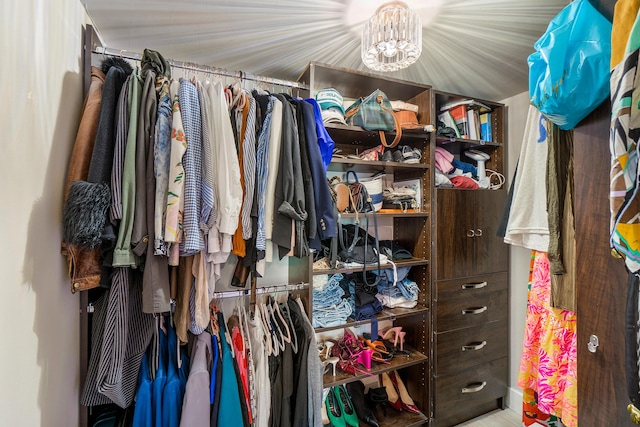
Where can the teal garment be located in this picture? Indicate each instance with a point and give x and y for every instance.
(160, 380)
(143, 414)
(174, 388)
(123, 255)
(230, 413)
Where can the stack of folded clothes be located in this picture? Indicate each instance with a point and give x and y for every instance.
(329, 306)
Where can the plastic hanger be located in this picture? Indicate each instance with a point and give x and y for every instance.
(294, 337)
(283, 322)
(267, 338)
(276, 332)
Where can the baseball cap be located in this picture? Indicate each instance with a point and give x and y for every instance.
(329, 98)
(333, 115)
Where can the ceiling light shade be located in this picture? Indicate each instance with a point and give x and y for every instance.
(392, 38)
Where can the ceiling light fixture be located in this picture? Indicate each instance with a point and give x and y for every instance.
(392, 38)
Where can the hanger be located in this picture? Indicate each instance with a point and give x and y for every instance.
(276, 310)
(277, 334)
(294, 337)
(269, 331)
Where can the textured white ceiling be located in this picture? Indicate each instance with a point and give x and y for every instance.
(472, 47)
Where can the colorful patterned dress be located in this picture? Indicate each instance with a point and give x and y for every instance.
(548, 367)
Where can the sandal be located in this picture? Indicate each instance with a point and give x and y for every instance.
(396, 334)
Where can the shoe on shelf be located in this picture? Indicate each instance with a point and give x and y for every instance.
(405, 400)
(323, 409)
(397, 155)
(393, 399)
(410, 155)
(349, 414)
(356, 391)
(334, 410)
(387, 156)
(394, 334)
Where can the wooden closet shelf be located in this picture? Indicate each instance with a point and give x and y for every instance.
(385, 314)
(399, 419)
(400, 214)
(398, 362)
(403, 263)
(443, 140)
(356, 133)
(340, 164)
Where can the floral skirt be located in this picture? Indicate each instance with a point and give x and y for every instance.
(548, 366)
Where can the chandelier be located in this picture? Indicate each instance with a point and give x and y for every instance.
(392, 38)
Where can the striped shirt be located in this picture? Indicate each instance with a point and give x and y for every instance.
(122, 127)
(262, 170)
(249, 167)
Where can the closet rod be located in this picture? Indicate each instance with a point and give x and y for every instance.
(262, 290)
(203, 68)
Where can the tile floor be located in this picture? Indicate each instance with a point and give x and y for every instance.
(497, 418)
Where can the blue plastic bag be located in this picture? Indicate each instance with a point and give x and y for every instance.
(569, 72)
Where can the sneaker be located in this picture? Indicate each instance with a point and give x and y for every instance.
(411, 155)
(387, 156)
(397, 156)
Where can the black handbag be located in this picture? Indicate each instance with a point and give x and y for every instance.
(357, 246)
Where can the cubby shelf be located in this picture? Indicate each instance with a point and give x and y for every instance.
(398, 362)
(403, 263)
(385, 314)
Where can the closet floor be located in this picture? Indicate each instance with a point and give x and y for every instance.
(497, 418)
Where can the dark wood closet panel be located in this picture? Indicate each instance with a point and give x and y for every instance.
(601, 281)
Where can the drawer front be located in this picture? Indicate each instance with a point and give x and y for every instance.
(461, 349)
(474, 387)
(471, 286)
(474, 311)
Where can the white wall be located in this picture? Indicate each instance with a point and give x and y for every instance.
(41, 91)
(517, 108)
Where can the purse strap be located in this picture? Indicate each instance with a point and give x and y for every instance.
(377, 249)
(396, 124)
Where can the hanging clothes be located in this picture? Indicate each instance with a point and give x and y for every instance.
(527, 225)
(230, 412)
(173, 392)
(549, 351)
(196, 406)
(143, 413)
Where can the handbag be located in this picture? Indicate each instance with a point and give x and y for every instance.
(340, 194)
(374, 112)
(358, 246)
(360, 197)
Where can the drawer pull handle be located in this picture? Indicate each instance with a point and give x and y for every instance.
(475, 310)
(479, 232)
(471, 233)
(474, 346)
(474, 285)
(474, 388)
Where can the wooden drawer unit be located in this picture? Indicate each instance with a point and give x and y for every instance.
(463, 348)
(471, 392)
(470, 286)
(472, 311)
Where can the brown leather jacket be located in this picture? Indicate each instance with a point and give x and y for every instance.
(84, 265)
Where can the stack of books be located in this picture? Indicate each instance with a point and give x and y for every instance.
(469, 118)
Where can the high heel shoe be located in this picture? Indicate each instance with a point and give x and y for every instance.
(323, 410)
(365, 358)
(405, 400)
(356, 391)
(392, 394)
(349, 416)
(334, 410)
(333, 361)
(397, 334)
